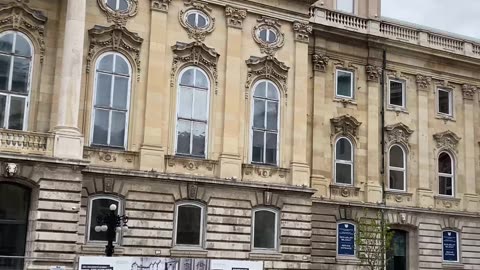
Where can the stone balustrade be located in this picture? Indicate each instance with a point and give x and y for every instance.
(26, 142)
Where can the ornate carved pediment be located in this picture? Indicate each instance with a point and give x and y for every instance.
(114, 38)
(398, 133)
(160, 5)
(345, 125)
(195, 53)
(198, 34)
(447, 140)
(18, 16)
(266, 67)
(320, 62)
(468, 91)
(271, 24)
(119, 17)
(235, 16)
(302, 31)
(373, 73)
(423, 82)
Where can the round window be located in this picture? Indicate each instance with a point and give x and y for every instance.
(268, 35)
(117, 5)
(197, 19)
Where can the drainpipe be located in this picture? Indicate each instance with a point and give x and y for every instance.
(382, 142)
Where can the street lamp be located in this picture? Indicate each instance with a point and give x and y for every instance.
(111, 224)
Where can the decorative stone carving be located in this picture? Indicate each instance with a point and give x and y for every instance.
(398, 197)
(345, 125)
(198, 34)
(195, 53)
(267, 67)
(273, 25)
(108, 184)
(320, 62)
(398, 133)
(235, 16)
(107, 157)
(423, 82)
(191, 164)
(447, 140)
(468, 91)
(192, 191)
(114, 38)
(267, 198)
(344, 191)
(447, 202)
(160, 5)
(373, 73)
(302, 31)
(10, 169)
(18, 16)
(119, 17)
(265, 171)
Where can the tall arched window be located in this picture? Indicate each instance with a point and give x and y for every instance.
(265, 123)
(446, 178)
(343, 161)
(265, 229)
(100, 206)
(16, 55)
(189, 220)
(111, 101)
(192, 112)
(398, 253)
(397, 168)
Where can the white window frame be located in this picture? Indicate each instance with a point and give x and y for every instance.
(117, 5)
(450, 102)
(398, 169)
(353, 7)
(90, 218)
(354, 242)
(29, 84)
(352, 82)
(351, 162)
(458, 246)
(452, 175)
(277, 235)
(197, 13)
(177, 117)
(404, 98)
(252, 116)
(202, 223)
(94, 99)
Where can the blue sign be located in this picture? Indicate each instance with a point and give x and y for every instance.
(346, 239)
(450, 246)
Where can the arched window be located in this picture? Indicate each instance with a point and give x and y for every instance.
(111, 101)
(100, 206)
(16, 55)
(189, 220)
(14, 207)
(192, 112)
(265, 229)
(397, 168)
(265, 123)
(446, 180)
(343, 161)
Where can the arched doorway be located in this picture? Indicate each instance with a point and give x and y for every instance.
(398, 253)
(14, 207)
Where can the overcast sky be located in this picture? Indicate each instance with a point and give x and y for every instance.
(457, 16)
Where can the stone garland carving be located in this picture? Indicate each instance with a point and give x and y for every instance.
(266, 67)
(468, 91)
(345, 125)
(347, 191)
(373, 73)
(119, 17)
(397, 75)
(160, 5)
(117, 39)
(398, 133)
(191, 164)
(302, 31)
(198, 34)
(423, 82)
(195, 53)
(273, 25)
(447, 140)
(265, 171)
(108, 156)
(320, 62)
(399, 197)
(18, 16)
(235, 16)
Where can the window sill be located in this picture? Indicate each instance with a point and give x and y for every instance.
(447, 265)
(348, 259)
(397, 109)
(345, 101)
(445, 117)
(267, 255)
(188, 252)
(99, 248)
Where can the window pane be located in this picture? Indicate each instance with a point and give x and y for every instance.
(99, 207)
(272, 91)
(121, 66)
(104, 88)
(264, 229)
(260, 90)
(187, 78)
(398, 253)
(185, 102)
(201, 80)
(198, 147)
(117, 136)
(14, 202)
(21, 70)
(123, 5)
(343, 150)
(396, 93)
(344, 84)
(201, 21)
(258, 145)
(4, 71)
(271, 152)
(272, 115)
(343, 173)
(3, 104)
(446, 185)
(120, 93)
(183, 137)
(263, 35)
(443, 102)
(22, 47)
(106, 64)
(396, 157)
(259, 113)
(272, 37)
(17, 113)
(112, 4)
(6, 43)
(191, 19)
(200, 106)
(345, 5)
(189, 220)
(396, 180)
(100, 128)
(444, 163)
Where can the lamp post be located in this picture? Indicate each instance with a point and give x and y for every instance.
(111, 224)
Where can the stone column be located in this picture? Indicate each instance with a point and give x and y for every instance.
(424, 192)
(470, 197)
(152, 151)
(300, 171)
(68, 139)
(230, 162)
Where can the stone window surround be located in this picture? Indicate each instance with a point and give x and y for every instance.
(203, 226)
(91, 198)
(277, 230)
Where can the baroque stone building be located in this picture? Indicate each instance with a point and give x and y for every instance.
(249, 130)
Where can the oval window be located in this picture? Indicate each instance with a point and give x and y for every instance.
(197, 19)
(268, 35)
(117, 5)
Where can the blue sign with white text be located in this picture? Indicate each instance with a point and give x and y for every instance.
(450, 246)
(346, 239)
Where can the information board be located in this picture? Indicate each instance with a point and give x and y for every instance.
(450, 246)
(346, 239)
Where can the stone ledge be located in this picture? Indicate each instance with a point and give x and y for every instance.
(345, 101)
(98, 248)
(348, 259)
(188, 252)
(452, 266)
(265, 255)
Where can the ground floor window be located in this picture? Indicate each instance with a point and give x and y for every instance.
(397, 255)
